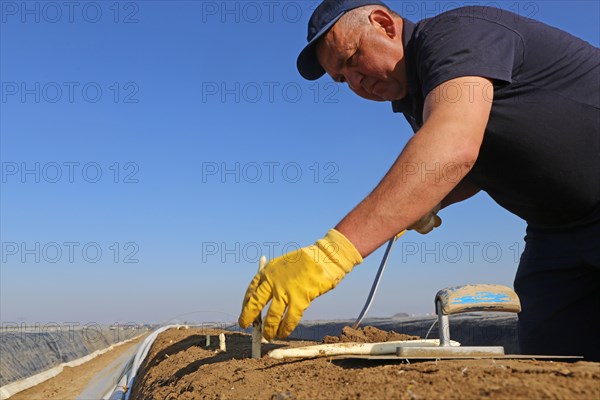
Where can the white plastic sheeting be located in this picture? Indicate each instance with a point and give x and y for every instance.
(15, 387)
(138, 359)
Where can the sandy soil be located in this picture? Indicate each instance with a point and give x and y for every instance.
(368, 334)
(180, 366)
(72, 381)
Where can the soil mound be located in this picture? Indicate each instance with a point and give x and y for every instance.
(180, 366)
(368, 334)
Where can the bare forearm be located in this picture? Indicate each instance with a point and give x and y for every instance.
(433, 162)
(412, 187)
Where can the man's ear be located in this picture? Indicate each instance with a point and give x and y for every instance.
(383, 20)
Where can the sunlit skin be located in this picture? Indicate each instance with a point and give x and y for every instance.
(370, 58)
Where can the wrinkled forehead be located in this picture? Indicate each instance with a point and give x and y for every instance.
(334, 46)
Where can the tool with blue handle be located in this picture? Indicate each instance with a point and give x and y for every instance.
(462, 299)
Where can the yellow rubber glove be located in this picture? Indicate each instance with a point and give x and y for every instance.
(295, 279)
(428, 222)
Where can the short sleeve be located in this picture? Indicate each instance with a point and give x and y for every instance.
(465, 45)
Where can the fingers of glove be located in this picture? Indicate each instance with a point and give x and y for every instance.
(433, 222)
(423, 223)
(252, 287)
(256, 302)
(273, 319)
(291, 320)
(425, 227)
(417, 226)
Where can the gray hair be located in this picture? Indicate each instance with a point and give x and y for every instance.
(360, 16)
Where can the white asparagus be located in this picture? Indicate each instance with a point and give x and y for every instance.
(222, 345)
(257, 337)
(337, 349)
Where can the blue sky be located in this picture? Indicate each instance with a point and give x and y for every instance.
(152, 149)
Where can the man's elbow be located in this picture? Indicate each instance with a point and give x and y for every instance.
(463, 158)
(468, 154)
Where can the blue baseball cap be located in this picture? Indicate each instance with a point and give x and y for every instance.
(322, 19)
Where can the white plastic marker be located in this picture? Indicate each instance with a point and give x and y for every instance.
(367, 349)
(222, 345)
(257, 337)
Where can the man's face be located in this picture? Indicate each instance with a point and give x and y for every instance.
(369, 57)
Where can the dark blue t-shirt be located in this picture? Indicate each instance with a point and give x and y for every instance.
(540, 156)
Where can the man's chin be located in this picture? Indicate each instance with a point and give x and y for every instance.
(382, 99)
(393, 93)
(374, 97)
(385, 97)
(378, 97)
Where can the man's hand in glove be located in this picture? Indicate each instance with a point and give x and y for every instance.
(428, 222)
(293, 280)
